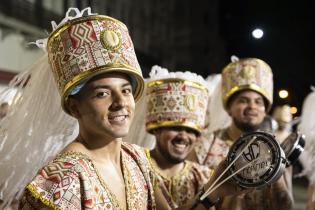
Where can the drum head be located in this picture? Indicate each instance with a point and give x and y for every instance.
(263, 159)
(293, 146)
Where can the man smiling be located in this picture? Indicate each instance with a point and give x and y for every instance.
(176, 109)
(99, 79)
(247, 95)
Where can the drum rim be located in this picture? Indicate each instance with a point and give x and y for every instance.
(277, 170)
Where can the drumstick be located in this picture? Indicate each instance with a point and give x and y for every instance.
(229, 166)
(222, 182)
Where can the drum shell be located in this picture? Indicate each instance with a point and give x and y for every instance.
(266, 144)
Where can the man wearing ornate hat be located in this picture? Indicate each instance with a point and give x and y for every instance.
(92, 60)
(247, 93)
(99, 78)
(176, 105)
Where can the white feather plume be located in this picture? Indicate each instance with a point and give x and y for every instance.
(307, 127)
(217, 117)
(137, 132)
(35, 128)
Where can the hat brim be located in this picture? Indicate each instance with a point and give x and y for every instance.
(87, 75)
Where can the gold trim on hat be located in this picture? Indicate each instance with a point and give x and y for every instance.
(253, 87)
(172, 80)
(151, 126)
(116, 68)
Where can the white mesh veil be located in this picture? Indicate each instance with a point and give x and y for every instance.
(137, 132)
(307, 127)
(35, 128)
(217, 117)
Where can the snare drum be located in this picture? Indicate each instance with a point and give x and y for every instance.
(263, 160)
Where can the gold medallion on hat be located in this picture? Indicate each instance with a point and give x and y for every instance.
(190, 102)
(111, 39)
(248, 72)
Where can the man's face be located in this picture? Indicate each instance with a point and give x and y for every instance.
(175, 143)
(247, 110)
(105, 106)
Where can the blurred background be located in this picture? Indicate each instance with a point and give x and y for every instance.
(199, 36)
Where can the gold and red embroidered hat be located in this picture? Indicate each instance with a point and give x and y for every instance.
(84, 47)
(247, 74)
(175, 99)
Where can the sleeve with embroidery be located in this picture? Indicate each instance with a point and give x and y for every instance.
(56, 186)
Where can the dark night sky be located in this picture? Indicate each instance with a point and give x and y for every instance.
(208, 32)
(287, 45)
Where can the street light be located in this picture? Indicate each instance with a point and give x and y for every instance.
(257, 33)
(293, 110)
(283, 93)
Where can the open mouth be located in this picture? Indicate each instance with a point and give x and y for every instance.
(118, 118)
(250, 114)
(180, 144)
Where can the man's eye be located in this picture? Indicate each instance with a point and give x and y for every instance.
(242, 100)
(260, 102)
(127, 91)
(101, 94)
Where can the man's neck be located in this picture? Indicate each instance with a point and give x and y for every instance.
(164, 165)
(234, 132)
(101, 149)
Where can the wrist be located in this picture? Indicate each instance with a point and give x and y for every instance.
(207, 202)
(213, 198)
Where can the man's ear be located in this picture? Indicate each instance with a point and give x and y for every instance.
(72, 107)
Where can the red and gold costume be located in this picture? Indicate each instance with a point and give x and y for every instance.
(71, 181)
(79, 49)
(182, 187)
(177, 99)
(244, 74)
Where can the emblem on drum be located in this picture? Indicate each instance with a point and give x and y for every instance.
(252, 152)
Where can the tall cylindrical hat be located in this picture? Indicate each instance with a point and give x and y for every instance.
(84, 47)
(247, 74)
(175, 99)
